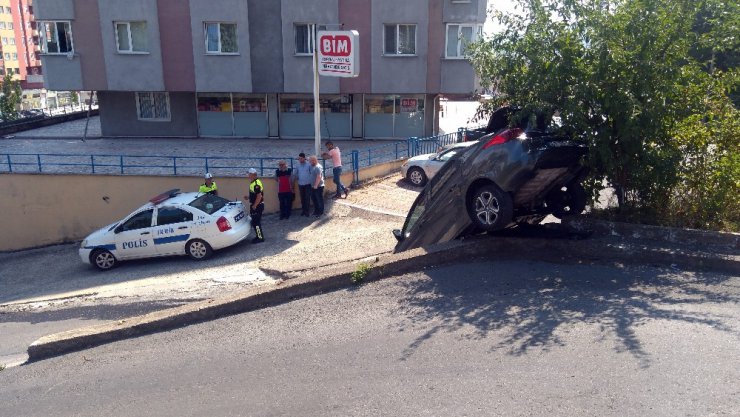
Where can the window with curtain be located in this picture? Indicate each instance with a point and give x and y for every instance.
(131, 37)
(221, 38)
(303, 44)
(459, 36)
(399, 40)
(56, 37)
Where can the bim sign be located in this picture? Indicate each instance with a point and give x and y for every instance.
(339, 53)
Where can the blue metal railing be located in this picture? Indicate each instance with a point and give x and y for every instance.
(220, 166)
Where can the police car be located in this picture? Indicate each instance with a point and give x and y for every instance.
(172, 223)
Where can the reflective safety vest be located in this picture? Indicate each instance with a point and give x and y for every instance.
(255, 187)
(206, 189)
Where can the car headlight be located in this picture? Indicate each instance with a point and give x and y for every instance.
(84, 243)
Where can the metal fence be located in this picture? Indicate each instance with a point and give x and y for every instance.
(220, 166)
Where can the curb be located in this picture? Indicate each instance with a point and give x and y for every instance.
(331, 278)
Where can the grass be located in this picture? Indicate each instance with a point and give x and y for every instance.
(359, 274)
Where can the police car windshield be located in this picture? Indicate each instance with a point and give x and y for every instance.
(209, 203)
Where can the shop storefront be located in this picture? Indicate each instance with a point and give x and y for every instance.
(237, 114)
(394, 116)
(297, 117)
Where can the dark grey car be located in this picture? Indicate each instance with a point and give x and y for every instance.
(509, 177)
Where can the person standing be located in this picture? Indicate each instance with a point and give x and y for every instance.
(317, 185)
(303, 176)
(256, 204)
(335, 154)
(209, 187)
(283, 176)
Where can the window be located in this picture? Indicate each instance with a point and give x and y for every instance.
(5, 41)
(56, 38)
(10, 24)
(209, 203)
(172, 215)
(153, 106)
(2, 25)
(400, 40)
(2, 71)
(131, 37)
(17, 70)
(459, 36)
(15, 56)
(7, 56)
(303, 41)
(221, 38)
(8, 10)
(12, 41)
(138, 221)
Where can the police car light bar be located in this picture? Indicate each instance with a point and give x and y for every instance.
(164, 196)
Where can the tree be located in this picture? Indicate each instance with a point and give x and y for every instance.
(10, 98)
(621, 75)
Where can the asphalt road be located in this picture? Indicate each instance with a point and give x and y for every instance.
(504, 338)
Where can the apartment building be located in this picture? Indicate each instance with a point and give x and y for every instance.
(243, 68)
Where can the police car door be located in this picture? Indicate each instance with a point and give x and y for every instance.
(134, 237)
(172, 230)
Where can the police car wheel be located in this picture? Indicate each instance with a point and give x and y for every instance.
(198, 249)
(102, 259)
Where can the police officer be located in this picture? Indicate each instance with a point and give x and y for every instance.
(209, 187)
(256, 204)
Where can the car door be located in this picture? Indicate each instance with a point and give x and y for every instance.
(173, 228)
(135, 236)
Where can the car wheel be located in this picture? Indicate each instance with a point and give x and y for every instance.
(198, 249)
(567, 200)
(103, 259)
(417, 176)
(490, 208)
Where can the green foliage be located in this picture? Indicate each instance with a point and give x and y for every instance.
(637, 81)
(10, 98)
(359, 275)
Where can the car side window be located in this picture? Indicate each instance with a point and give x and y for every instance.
(139, 221)
(172, 215)
(447, 155)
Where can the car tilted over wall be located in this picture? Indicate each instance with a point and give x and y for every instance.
(517, 175)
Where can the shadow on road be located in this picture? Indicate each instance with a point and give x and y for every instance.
(529, 306)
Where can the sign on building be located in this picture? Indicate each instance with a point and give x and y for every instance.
(339, 53)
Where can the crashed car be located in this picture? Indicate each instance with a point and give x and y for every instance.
(517, 175)
(172, 223)
(418, 169)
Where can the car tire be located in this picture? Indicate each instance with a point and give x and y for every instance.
(567, 200)
(490, 208)
(416, 176)
(103, 259)
(198, 249)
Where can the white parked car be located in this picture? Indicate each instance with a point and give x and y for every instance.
(419, 169)
(172, 223)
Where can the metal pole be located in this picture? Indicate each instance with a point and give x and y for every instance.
(316, 104)
(87, 122)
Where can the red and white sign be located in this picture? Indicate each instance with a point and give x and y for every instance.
(409, 105)
(339, 53)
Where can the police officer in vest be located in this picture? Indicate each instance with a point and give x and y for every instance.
(256, 204)
(209, 187)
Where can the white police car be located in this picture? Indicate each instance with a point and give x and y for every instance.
(172, 223)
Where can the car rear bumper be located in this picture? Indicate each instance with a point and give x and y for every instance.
(233, 235)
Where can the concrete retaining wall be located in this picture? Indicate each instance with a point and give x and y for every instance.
(41, 209)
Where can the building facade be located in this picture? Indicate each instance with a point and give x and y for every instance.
(243, 68)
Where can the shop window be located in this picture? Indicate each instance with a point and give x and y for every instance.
(56, 38)
(153, 106)
(400, 40)
(215, 115)
(394, 116)
(459, 36)
(296, 105)
(221, 38)
(250, 115)
(131, 37)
